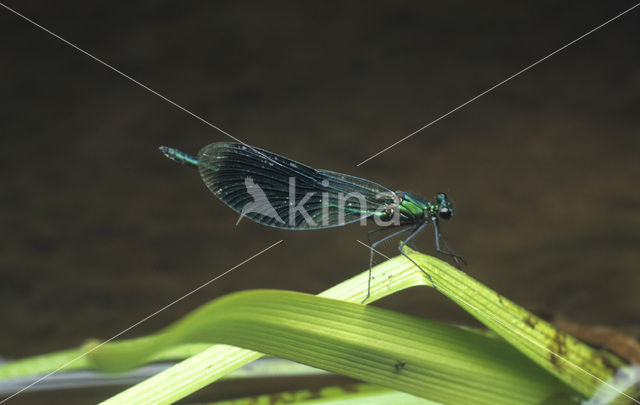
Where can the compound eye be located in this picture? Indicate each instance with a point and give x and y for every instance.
(444, 213)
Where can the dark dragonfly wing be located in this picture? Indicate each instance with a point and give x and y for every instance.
(276, 191)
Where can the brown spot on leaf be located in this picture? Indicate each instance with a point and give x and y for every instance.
(530, 321)
(399, 366)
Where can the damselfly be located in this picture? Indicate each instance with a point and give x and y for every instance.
(276, 191)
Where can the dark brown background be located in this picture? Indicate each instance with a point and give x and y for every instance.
(98, 230)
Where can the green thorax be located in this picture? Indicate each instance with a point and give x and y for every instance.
(413, 208)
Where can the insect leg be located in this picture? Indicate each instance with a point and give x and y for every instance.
(414, 234)
(373, 246)
(456, 258)
(380, 230)
(383, 239)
